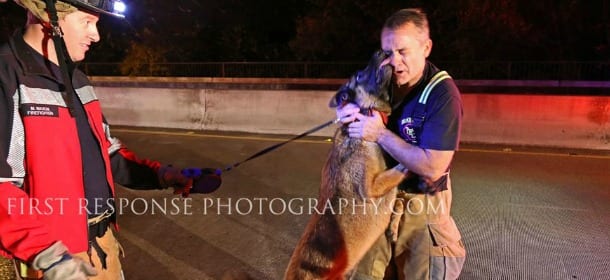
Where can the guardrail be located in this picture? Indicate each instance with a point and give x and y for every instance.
(507, 70)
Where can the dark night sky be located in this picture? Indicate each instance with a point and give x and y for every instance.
(345, 30)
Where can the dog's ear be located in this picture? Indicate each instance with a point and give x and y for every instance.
(379, 56)
(340, 97)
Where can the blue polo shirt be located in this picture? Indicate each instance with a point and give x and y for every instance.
(441, 126)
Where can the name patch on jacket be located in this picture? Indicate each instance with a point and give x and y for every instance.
(39, 110)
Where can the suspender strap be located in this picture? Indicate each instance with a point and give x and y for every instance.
(419, 113)
(437, 78)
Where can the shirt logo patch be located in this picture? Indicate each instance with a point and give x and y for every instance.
(39, 110)
(407, 130)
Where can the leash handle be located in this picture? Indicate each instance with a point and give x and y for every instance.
(273, 147)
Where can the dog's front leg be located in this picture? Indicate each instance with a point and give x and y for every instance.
(387, 180)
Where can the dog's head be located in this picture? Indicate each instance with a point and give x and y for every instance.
(368, 88)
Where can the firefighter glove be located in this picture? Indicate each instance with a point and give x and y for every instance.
(56, 263)
(205, 180)
(171, 177)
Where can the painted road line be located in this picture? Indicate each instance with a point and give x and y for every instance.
(329, 140)
(233, 137)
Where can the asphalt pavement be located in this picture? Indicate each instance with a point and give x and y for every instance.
(524, 213)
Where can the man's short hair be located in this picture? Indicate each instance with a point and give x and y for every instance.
(414, 15)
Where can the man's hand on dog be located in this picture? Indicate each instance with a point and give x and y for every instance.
(346, 113)
(368, 128)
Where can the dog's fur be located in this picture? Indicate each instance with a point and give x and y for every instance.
(355, 183)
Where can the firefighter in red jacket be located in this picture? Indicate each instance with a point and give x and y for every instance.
(58, 161)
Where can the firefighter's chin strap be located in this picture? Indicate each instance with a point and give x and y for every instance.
(67, 93)
(63, 59)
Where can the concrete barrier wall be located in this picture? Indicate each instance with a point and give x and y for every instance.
(537, 120)
(256, 111)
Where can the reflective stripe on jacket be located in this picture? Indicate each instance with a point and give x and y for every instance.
(41, 178)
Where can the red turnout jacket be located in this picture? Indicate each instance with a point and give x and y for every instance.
(41, 176)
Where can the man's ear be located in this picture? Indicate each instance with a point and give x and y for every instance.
(428, 47)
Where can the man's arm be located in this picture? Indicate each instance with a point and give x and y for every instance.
(428, 163)
(129, 170)
(139, 173)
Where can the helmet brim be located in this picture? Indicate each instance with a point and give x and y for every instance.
(89, 7)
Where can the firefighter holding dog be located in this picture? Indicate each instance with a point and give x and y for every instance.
(422, 134)
(58, 161)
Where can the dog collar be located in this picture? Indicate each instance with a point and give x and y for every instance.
(369, 112)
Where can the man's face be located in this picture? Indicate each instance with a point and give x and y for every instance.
(80, 30)
(407, 49)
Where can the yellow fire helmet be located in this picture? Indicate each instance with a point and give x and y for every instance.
(114, 8)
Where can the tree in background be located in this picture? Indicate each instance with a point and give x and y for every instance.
(207, 30)
(145, 59)
(341, 30)
(462, 30)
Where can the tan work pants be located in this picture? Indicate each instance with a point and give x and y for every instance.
(428, 246)
(113, 249)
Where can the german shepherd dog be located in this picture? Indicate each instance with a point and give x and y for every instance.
(356, 193)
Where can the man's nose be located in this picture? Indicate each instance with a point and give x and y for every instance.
(94, 35)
